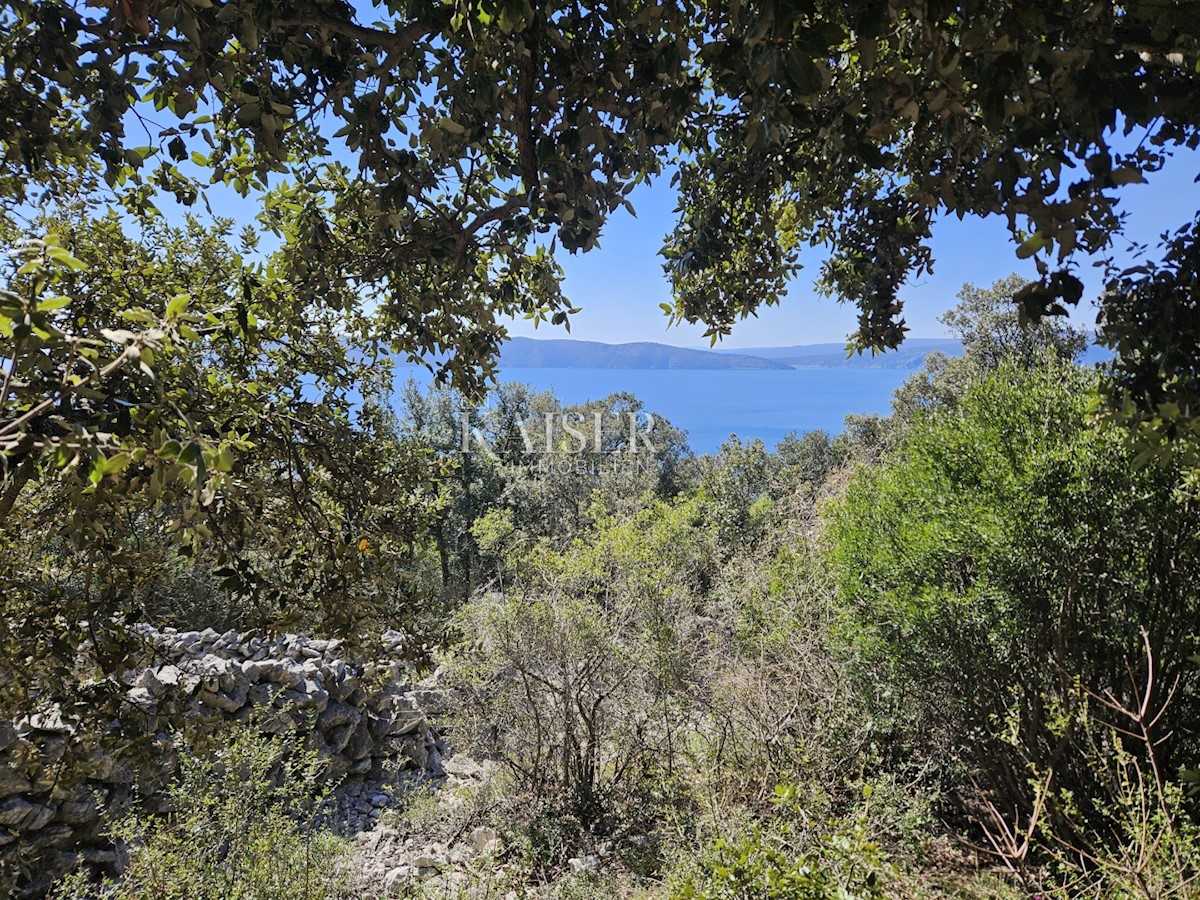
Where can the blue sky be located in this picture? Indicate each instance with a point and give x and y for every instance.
(621, 284)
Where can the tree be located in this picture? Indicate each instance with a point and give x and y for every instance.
(421, 158)
(858, 124)
(734, 488)
(1001, 563)
(988, 323)
(184, 439)
(1151, 318)
(544, 465)
(436, 155)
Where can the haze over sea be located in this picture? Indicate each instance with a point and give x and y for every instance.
(711, 404)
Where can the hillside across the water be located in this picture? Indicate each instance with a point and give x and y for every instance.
(568, 354)
(909, 355)
(536, 353)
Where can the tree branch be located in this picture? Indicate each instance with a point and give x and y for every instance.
(398, 41)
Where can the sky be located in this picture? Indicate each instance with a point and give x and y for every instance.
(621, 284)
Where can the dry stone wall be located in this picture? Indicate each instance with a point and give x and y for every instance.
(361, 716)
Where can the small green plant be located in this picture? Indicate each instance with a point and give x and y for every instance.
(242, 828)
(795, 857)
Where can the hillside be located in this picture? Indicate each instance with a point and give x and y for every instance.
(910, 355)
(568, 354)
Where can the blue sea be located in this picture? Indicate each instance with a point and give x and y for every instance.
(712, 404)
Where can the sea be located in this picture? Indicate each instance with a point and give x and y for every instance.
(713, 404)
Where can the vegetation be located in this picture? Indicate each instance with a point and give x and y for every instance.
(949, 652)
(184, 444)
(241, 827)
(977, 613)
(438, 155)
(866, 665)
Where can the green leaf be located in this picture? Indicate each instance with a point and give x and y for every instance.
(192, 455)
(177, 305)
(117, 463)
(1031, 245)
(60, 255)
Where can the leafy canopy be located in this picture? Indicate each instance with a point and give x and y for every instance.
(436, 155)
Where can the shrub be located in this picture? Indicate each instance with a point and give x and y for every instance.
(551, 692)
(242, 827)
(573, 682)
(1130, 835)
(777, 705)
(796, 857)
(1008, 552)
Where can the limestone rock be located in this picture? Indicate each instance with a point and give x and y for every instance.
(14, 810)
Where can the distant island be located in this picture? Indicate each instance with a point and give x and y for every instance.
(561, 353)
(909, 355)
(531, 353)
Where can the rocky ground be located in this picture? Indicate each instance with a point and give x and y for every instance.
(394, 855)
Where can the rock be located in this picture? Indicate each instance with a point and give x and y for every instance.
(262, 694)
(433, 762)
(78, 812)
(284, 684)
(53, 836)
(168, 676)
(338, 714)
(117, 773)
(218, 700)
(51, 721)
(279, 723)
(189, 683)
(141, 698)
(338, 738)
(8, 735)
(484, 840)
(13, 782)
(395, 880)
(581, 864)
(37, 816)
(149, 680)
(408, 721)
(417, 754)
(344, 689)
(14, 810)
(101, 856)
(234, 682)
(359, 745)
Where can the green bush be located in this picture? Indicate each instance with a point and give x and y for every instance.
(1004, 559)
(796, 857)
(242, 828)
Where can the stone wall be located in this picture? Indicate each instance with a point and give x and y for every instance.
(361, 717)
